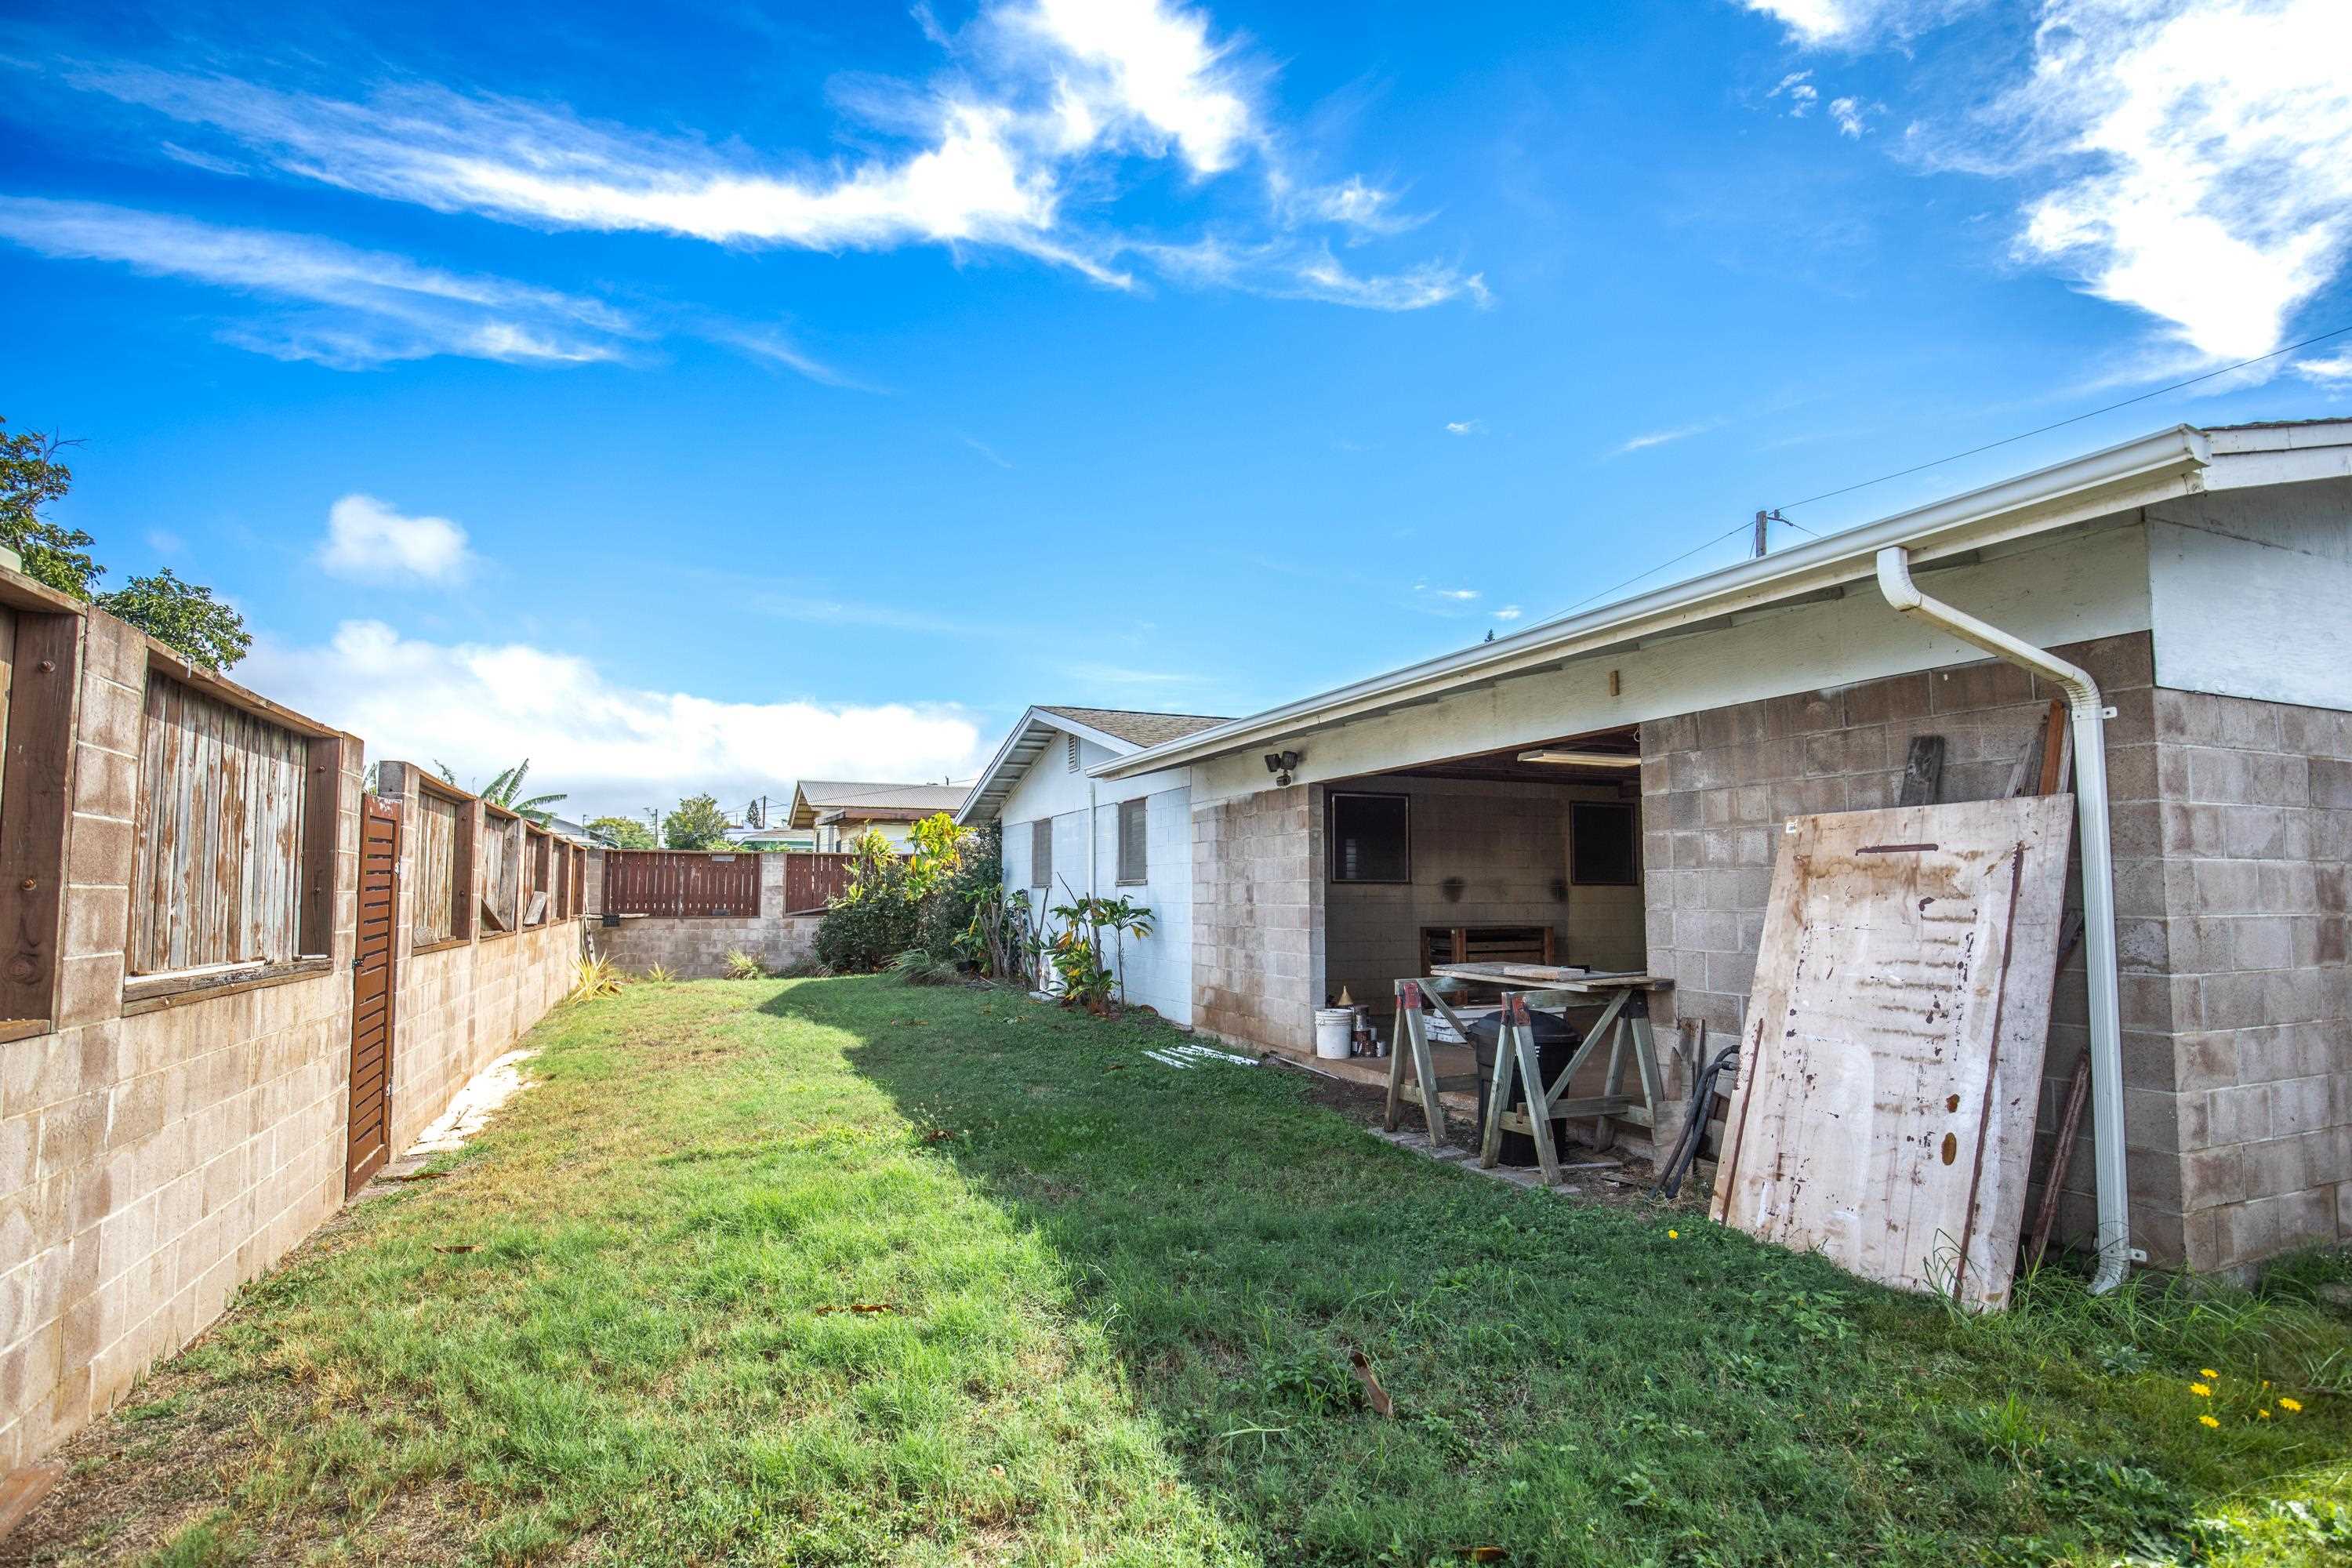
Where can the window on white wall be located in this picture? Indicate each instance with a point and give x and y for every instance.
(1041, 853)
(1132, 859)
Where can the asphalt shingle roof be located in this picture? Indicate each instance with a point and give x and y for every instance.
(1141, 728)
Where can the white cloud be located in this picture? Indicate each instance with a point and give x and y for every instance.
(1853, 22)
(1142, 63)
(1659, 438)
(1466, 428)
(369, 541)
(2332, 371)
(364, 307)
(1017, 151)
(773, 348)
(2214, 141)
(1853, 115)
(1508, 613)
(481, 707)
(1803, 94)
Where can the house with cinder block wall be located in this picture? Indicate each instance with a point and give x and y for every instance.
(1617, 779)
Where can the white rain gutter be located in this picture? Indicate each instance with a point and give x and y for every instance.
(2089, 714)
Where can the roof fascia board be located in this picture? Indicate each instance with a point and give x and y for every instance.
(982, 790)
(2158, 467)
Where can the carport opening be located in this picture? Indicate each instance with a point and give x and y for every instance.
(1528, 854)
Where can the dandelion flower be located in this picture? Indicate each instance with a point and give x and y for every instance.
(2262, 1414)
(2286, 1404)
(2207, 1421)
(2206, 1372)
(1674, 1235)
(2201, 1390)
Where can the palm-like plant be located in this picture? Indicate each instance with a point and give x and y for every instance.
(503, 789)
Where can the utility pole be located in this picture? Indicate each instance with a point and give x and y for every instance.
(1759, 546)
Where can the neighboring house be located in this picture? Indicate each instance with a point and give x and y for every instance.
(1069, 834)
(787, 840)
(1621, 776)
(838, 812)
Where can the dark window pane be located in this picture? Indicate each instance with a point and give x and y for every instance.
(1600, 845)
(1372, 839)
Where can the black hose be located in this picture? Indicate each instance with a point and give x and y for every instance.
(1687, 1147)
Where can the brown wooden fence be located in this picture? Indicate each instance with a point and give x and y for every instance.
(813, 881)
(682, 884)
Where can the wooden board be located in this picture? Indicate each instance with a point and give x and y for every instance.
(1892, 1064)
(374, 995)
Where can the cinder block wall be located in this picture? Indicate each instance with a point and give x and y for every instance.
(1257, 917)
(154, 1157)
(2256, 832)
(2233, 823)
(459, 1007)
(698, 949)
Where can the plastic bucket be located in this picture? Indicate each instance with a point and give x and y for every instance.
(1335, 1031)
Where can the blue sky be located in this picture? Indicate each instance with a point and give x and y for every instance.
(713, 395)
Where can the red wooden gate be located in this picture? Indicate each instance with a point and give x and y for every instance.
(373, 994)
(682, 884)
(813, 881)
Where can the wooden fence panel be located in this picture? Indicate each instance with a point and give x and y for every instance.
(216, 876)
(681, 884)
(813, 881)
(435, 894)
(501, 872)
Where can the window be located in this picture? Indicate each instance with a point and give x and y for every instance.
(440, 908)
(1600, 845)
(1133, 863)
(1371, 837)
(217, 876)
(1041, 853)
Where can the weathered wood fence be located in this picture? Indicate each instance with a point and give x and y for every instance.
(813, 881)
(681, 884)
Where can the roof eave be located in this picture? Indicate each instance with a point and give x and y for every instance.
(985, 798)
(2156, 467)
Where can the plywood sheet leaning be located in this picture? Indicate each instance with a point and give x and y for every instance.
(1892, 1063)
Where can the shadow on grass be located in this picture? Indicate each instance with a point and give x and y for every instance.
(1573, 1383)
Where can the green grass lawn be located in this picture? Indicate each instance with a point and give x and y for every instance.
(1119, 1303)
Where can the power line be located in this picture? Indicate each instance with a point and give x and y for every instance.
(2059, 424)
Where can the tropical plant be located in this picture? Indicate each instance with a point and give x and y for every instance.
(659, 975)
(875, 918)
(937, 853)
(1076, 952)
(183, 616)
(595, 977)
(918, 967)
(622, 832)
(697, 824)
(741, 965)
(506, 786)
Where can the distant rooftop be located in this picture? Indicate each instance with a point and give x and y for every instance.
(850, 800)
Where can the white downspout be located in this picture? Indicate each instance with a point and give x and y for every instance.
(2088, 714)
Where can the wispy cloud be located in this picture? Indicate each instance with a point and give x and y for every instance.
(985, 450)
(817, 610)
(1018, 151)
(1802, 93)
(1466, 428)
(355, 308)
(1510, 613)
(372, 542)
(773, 347)
(1853, 115)
(1852, 22)
(2333, 370)
(1659, 438)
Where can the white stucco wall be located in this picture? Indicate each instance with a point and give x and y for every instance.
(2251, 593)
(1158, 968)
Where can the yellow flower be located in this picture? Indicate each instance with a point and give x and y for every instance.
(2206, 1372)
(1674, 1235)
(2203, 1391)
(2262, 1414)
(2207, 1421)
(2286, 1404)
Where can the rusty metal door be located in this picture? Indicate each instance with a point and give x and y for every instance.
(373, 992)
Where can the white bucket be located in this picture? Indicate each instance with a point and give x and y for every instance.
(1335, 1031)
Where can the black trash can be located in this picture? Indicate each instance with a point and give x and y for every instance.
(1555, 1042)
